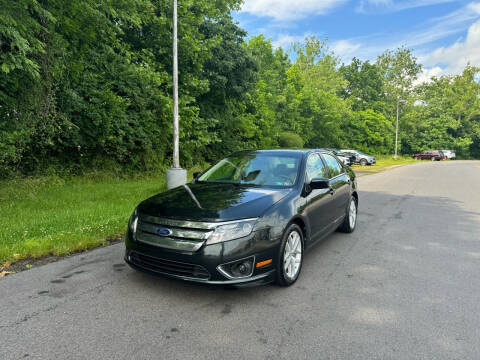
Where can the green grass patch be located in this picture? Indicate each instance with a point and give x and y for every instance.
(44, 216)
(384, 162)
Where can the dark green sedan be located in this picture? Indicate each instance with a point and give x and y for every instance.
(246, 220)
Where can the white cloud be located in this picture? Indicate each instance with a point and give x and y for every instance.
(420, 39)
(287, 10)
(454, 58)
(395, 5)
(285, 40)
(345, 48)
(427, 74)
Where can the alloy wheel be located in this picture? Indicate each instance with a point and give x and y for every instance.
(292, 256)
(352, 213)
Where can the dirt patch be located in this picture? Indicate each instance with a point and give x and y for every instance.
(30, 262)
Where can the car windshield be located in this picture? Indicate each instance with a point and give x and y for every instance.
(255, 169)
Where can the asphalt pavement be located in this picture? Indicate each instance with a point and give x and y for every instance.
(404, 285)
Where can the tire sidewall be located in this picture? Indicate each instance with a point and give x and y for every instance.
(281, 278)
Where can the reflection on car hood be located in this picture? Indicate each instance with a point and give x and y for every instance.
(212, 202)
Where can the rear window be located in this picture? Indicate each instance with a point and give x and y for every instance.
(333, 166)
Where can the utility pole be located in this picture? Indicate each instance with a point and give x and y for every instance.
(176, 160)
(396, 127)
(176, 176)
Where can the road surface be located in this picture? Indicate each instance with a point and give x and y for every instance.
(404, 285)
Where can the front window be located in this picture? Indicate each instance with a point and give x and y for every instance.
(315, 167)
(255, 169)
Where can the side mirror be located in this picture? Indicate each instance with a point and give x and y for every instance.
(319, 183)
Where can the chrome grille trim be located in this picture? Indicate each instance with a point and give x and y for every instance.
(169, 243)
(185, 235)
(176, 232)
(188, 224)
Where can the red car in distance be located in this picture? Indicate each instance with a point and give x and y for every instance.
(433, 155)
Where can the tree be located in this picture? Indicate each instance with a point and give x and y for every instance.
(371, 132)
(231, 74)
(314, 109)
(399, 70)
(448, 117)
(365, 85)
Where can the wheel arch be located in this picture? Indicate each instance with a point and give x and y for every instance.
(302, 224)
(355, 195)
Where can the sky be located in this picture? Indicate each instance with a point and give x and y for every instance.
(443, 34)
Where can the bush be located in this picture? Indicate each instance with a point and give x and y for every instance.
(290, 140)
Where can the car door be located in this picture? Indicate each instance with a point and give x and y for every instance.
(319, 205)
(340, 184)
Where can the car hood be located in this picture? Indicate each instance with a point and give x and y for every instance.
(212, 202)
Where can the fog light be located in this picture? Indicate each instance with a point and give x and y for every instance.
(241, 269)
(237, 269)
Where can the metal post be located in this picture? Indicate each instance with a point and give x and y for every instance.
(396, 132)
(176, 161)
(176, 176)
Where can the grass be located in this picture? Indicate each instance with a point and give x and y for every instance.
(52, 216)
(384, 162)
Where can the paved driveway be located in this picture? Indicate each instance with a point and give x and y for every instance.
(404, 285)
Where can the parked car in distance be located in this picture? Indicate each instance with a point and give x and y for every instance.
(248, 219)
(360, 157)
(433, 155)
(346, 159)
(449, 154)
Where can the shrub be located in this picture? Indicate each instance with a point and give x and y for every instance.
(290, 140)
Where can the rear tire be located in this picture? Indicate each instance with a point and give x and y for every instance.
(290, 258)
(415, 158)
(348, 225)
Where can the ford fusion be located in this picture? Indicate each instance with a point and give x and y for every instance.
(246, 220)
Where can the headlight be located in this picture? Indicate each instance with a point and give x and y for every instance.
(231, 231)
(132, 223)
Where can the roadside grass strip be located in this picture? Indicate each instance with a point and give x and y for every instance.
(383, 163)
(51, 216)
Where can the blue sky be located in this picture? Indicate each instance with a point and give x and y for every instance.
(444, 34)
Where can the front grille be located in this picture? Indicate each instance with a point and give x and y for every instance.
(169, 267)
(184, 235)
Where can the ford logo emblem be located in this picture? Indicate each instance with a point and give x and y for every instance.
(164, 231)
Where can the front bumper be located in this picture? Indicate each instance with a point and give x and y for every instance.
(202, 266)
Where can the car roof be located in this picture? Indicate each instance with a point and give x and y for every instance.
(280, 151)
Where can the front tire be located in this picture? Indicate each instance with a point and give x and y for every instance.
(348, 225)
(363, 162)
(291, 256)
